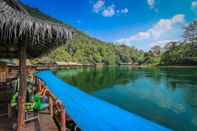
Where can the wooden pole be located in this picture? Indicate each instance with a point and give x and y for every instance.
(23, 88)
(39, 85)
(63, 119)
(9, 111)
(51, 106)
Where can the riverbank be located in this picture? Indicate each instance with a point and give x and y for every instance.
(166, 66)
(178, 66)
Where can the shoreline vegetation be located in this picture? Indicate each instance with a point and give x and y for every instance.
(87, 50)
(70, 66)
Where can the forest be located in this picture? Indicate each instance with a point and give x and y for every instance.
(176, 53)
(87, 50)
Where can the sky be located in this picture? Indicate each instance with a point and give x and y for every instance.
(139, 23)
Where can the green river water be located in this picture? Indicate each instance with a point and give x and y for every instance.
(167, 96)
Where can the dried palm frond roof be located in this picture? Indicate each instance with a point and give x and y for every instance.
(18, 27)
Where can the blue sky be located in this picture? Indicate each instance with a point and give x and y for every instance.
(138, 23)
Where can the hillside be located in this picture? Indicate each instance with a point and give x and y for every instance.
(85, 49)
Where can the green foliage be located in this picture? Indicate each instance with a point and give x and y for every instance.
(154, 55)
(190, 33)
(180, 54)
(60, 54)
(86, 50)
(176, 53)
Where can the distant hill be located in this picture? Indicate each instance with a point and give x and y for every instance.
(84, 49)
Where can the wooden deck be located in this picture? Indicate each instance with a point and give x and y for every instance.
(33, 126)
(47, 123)
(5, 124)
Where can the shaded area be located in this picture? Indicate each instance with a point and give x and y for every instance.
(5, 122)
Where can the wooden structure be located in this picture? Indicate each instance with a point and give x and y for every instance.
(47, 123)
(99, 65)
(6, 77)
(3, 74)
(54, 105)
(26, 36)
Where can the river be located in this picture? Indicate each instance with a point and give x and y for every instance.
(167, 96)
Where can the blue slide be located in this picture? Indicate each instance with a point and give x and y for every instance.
(92, 114)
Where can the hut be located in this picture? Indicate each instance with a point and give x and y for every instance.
(24, 36)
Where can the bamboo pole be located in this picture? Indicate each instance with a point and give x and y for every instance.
(23, 88)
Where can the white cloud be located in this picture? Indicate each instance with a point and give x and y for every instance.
(161, 43)
(124, 11)
(163, 28)
(133, 38)
(100, 7)
(151, 3)
(109, 11)
(194, 5)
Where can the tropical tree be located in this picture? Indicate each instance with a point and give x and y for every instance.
(190, 33)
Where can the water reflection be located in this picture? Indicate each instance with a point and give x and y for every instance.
(91, 79)
(167, 96)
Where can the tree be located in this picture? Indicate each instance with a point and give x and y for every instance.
(84, 49)
(156, 50)
(190, 33)
(60, 54)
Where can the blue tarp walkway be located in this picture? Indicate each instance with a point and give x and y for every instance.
(92, 114)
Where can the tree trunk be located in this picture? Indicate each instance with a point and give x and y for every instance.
(23, 88)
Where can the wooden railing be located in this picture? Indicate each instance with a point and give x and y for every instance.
(54, 105)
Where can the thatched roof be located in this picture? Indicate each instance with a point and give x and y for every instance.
(18, 27)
